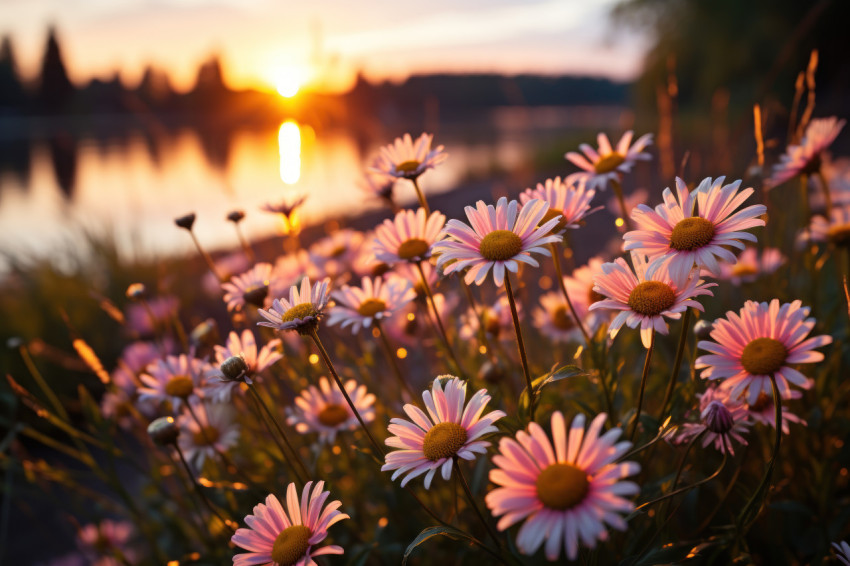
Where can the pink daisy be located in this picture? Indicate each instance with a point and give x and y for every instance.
(806, 157)
(497, 318)
(149, 320)
(499, 237)
(133, 360)
(646, 298)
(608, 163)
(302, 311)
(761, 340)
(568, 489)
(836, 230)
(376, 184)
(580, 286)
(374, 300)
(751, 264)
(324, 410)
(722, 418)
(842, 552)
(408, 237)
(569, 203)
(334, 254)
(428, 443)
(177, 379)
(287, 537)
(407, 159)
(698, 228)
(763, 411)
(251, 287)
(554, 320)
(227, 266)
(215, 430)
(100, 542)
(220, 390)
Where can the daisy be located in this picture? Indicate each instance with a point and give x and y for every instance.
(334, 254)
(497, 237)
(644, 298)
(836, 230)
(497, 318)
(374, 300)
(608, 163)
(378, 185)
(428, 443)
(289, 270)
(251, 287)
(227, 266)
(147, 320)
(842, 552)
(406, 159)
(288, 214)
(133, 360)
(569, 203)
(580, 286)
(177, 379)
(408, 237)
(763, 411)
(751, 265)
(554, 320)
(220, 390)
(722, 419)
(324, 410)
(805, 159)
(762, 340)
(287, 537)
(698, 228)
(302, 311)
(215, 430)
(568, 489)
(99, 542)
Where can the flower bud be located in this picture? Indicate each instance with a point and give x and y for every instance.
(717, 418)
(702, 329)
(205, 334)
(186, 221)
(164, 431)
(234, 368)
(236, 216)
(137, 291)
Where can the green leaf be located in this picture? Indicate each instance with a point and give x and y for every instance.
(432, 532)
(538, 384)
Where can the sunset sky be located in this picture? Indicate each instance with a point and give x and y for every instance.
(264, 42)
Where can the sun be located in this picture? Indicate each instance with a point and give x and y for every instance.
(289, 79)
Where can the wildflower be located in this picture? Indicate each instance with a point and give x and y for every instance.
(762, 340)
(164, 431)
(567, 489)
(215, 430)
(251, 287)
(555, 321)
(176, 379)
(246, 349)
(147, 320)
(376, 184)
(608, 163)
(805, 159)
(722, 418)
(283, 208)
(302, 311)
(835, 230)
(499, 237)
(333, 255)
(406, 159)
(374, 300)
(569, 203)
(408, 237)
(428, 443)
(186, 221)
(236, 216)
(287, 537)
(496, 317)
(842, 552)
(751, 265)
(644, 298)
(763, 411)
(100, 542)
(227, 266)
(698, 228)
(133, 360)
(324, 410)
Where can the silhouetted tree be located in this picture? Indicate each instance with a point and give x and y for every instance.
(55, 88)
(12, 95)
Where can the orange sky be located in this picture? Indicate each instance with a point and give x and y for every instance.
(323, 41)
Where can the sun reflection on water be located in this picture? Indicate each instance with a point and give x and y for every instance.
(289, 146)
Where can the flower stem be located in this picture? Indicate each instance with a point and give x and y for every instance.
(677, 364)
(304, 474)
(207, 258)
(643, 383)
(556, 259)
(804, 199)
(440, 326)
(200, 492)
(618, 190)
(826, 196)
(422, 202)
(246, 247)
(329, 364)
(521, 347)
(472, 503)
(388, 350)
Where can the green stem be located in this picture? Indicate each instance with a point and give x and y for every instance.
(207, 258)
(200, 491)
(532, 397)
(827, 197)
(556, 259)
(677, 365)
(304, 474)
(804, 199)
(422, 202)
(471, 499)
(643, 383)
(246, 247)
(440, 326)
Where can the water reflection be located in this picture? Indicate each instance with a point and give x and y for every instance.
(289, 147)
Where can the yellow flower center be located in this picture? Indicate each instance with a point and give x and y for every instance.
(491, 323)
(608, 163)
(651, 298)
(744, 269)
(839, 235)
(207, 436)
(443, 441)
(413, 248)
(256, 295)
(562, 486)
(299, 311)
(764, 356)
(691, 234)
(561, 319)
(408, 167)
(333, 415)
(500, 245)
(371, 307)
(555, 213)
(180, 386)
(291, 545)
(338, 251)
